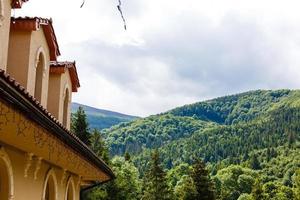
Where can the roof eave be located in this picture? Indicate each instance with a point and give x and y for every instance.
(12, 92)
(34, 24)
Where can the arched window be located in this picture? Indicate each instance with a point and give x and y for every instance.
(39, 75)
(70, 190)
(6, 176)
(66, 107)
(50, 186)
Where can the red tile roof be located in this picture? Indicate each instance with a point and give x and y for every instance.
(14, 91)
(17, 3)
(34, 24)
(61, 67)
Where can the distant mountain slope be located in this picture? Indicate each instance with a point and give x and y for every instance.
(101, 119)
(212, 129)
(234, 108)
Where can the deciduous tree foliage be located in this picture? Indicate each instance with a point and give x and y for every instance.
(249, 143)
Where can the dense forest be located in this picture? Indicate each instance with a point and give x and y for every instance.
(243, 146)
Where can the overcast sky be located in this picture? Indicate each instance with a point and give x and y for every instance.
(174, 51)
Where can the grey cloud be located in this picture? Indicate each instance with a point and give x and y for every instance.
(201, 59)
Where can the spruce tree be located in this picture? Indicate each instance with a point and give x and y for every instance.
(127, 156)
(202, 182)
(98, 145)
(254, 162)
(297, 184)
(257, 191)
(80, 125)
(155, 182)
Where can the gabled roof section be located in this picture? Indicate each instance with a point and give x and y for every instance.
(12, 92)
(17, 3)
(61, 67)
(35, 24)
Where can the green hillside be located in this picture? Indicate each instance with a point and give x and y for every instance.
(101, 119)
(220, 115)
(249, 142)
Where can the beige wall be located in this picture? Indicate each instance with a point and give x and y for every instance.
(18, 56)
(23, 55)
(58, 84)
(5, 10)
(54, 94)
(22, 133)
(29, 176)
(38, 45)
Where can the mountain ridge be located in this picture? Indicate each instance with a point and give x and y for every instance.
(101, 118)
(237, 112)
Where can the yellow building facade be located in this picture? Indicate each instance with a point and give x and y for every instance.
(39, 157)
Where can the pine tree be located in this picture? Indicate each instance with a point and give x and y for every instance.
(127, 156)
(254, 162)
(297, 184)
(257, 191)
(80, 125)
(98, 145)
(202, 181)
(155, 183)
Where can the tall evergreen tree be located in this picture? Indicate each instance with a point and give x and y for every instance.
(98, 145)
(127, 156)
(80, 125)
(257, 191)
(202, 182)
(254, 162)
(155, 183)
(297, 184)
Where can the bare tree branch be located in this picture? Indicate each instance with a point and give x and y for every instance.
(120, 10)
(82, 4)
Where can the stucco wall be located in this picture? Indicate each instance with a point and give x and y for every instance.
(28, 186)
(23, 54)
(38, 44)
(66, 84)
(54, 94)
(58, 83)
(5, 10)
(18, 56)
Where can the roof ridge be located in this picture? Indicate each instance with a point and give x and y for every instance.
(24, 93)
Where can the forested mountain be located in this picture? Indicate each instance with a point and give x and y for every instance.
(249, 142)
(223, 120)
(100, 119)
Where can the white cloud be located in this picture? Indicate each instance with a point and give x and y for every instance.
(175, 51)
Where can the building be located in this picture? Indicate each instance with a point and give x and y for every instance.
(39, 157)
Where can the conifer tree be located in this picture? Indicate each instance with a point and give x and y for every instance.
(98, 145)
(80, 125)
(297, 184)
(254, 162)
(155, 183)
(202, 181)
(257, 191)
(127, 156)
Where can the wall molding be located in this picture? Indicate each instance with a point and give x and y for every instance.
(4, 157)
(28, 163)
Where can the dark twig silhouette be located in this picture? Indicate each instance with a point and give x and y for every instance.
(82, 4)
(120, 10)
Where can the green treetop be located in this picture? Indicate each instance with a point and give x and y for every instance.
(80, 125)
(202, 182)
(156, 187)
